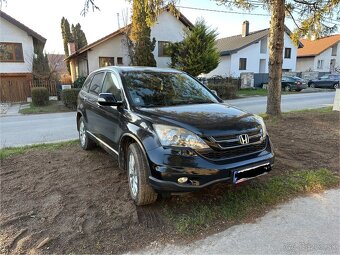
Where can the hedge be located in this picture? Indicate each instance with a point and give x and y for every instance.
(40, 96)
(69, 97)
(224, 91)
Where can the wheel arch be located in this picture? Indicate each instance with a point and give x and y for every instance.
(124, 143)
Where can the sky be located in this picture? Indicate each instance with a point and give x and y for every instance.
(44, 17)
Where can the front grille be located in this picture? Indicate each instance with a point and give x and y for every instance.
(234, 152)
(233, 140)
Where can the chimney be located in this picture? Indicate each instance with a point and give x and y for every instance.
(71, 46)
(245, 28)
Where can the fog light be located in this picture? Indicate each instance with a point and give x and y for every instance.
(182, 180)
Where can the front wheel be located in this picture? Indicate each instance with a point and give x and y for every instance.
(336, 86)
(312, 85)
(287, 88)
(138, 173)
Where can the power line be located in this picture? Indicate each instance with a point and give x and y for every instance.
(223, 11)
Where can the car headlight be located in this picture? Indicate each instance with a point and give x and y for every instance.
(264, 129)
(178, 137)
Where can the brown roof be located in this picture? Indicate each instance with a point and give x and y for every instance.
(232, 44)
(312, 48)
(22, 27)
(120, 31)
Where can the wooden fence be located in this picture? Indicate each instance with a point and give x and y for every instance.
(19, 89)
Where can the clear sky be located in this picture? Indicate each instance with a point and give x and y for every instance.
(44, 16)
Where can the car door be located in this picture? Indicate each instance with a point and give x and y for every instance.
(324, 81)
(110, 116)
(92, 107)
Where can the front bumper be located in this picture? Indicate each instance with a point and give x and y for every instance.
(167, 166)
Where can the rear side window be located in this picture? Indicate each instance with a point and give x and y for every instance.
(96, 83)
(111, 86)
(87, 83)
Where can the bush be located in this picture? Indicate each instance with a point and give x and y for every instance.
(78, 83)
(40, 96)
(69, 97)
(224, 91)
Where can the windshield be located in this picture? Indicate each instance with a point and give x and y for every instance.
(157, 89)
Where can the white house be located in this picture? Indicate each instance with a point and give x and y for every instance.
(248, 52)
(17, 46)
(113, 50)
(321, 55)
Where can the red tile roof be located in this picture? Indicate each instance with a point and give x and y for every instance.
(313, 48)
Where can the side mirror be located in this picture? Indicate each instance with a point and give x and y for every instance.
(214, 92)
(108, 99)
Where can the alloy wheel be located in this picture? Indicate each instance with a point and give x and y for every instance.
(82, 133)
(133, 178)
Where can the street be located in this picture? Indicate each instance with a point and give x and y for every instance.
(307, 225)
(43, 128)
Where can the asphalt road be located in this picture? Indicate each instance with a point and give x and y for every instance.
(43, 128)
(309, 225)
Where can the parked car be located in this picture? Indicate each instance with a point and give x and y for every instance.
(169, 132)
(290, 83)
(326, 81)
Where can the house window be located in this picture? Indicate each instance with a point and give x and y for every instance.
(119, 61)
(320, 64)
(334, 49)
(264, 45)
(106, 61)
(243, 64)
(11, 52)
(288, 52)
(163, 49)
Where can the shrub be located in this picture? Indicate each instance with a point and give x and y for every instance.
(78, 83)
(40, 96)
(224, 91)
(69, 97)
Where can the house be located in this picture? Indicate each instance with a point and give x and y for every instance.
(248, 52)
(322, 55)
(113, 49)
(18, 45)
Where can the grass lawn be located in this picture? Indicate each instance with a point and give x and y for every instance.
(52, 107)
(239, 202)
(250, 92)
(11, 151)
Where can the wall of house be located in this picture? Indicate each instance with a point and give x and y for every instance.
(305, 64)
(111, 48)
(253, 55)
(11, 33)
(223, 68)
(167, 28)
(326, 56)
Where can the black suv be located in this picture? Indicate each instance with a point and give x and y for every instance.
(170, 132)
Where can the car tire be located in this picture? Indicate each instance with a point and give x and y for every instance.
(287, 88)
(298, 90)
(312, 85)
(86, 143)
(138, 173)
(336, 86)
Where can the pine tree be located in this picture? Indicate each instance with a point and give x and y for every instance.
(67, 37)
(78, 35)
(197, 53)
(140, 35)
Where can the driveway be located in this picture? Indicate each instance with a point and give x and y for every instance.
(309, 225)
(32, 129)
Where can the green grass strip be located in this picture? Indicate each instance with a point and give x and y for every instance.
(10, 151)
(238, 203)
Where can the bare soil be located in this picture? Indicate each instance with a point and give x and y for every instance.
(71, 201)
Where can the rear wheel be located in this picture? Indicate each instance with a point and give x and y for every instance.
(85, 141)
(336, 86)
(138, 172)
(312, 85)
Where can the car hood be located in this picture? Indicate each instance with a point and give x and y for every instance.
(203, 119)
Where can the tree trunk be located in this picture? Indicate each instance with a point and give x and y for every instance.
(276, 41)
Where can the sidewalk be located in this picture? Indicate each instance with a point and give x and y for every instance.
(306, 225)
(9, 110)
